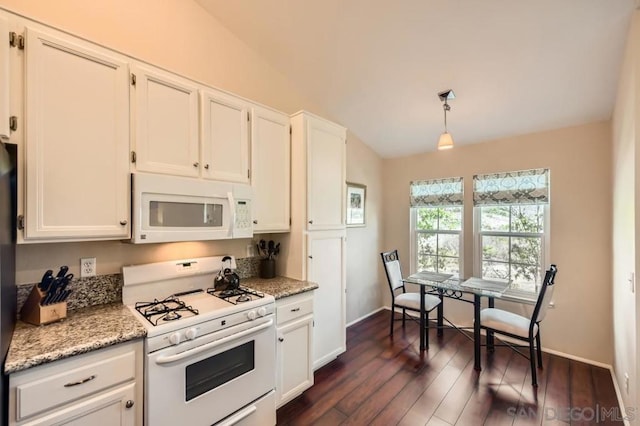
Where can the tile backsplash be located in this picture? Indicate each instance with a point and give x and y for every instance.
(104, 289)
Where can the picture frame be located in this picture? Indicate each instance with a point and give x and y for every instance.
(356, 204)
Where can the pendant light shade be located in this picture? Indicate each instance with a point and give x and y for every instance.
(446, 140)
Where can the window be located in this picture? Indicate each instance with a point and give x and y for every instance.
(436, 225)
(511, 226)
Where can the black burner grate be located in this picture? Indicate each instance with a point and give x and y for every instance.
(237, 295)
(164, 310)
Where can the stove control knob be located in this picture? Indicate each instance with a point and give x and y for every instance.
(251, 315)
(191, 333)
(174, 339)
(262, 311)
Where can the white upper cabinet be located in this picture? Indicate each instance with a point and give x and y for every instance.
(325, 144)
(4, 77)
(270, 166)
(77, 139)
(165, 119)
(225, 137)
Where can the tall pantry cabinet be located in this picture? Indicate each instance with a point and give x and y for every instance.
(317, 241)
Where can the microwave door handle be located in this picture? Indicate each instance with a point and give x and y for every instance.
(232, 207)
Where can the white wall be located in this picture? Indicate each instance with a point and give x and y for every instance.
(365, 279)
(626, 218)
(580, 162)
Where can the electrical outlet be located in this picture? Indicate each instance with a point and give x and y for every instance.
(626, 382)
(88, 267)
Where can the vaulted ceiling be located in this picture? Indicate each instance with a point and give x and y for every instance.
(376, 66)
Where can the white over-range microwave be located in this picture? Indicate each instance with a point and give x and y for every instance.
(170, 208)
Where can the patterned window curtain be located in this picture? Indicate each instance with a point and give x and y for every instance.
(437, 192)
(520, 187)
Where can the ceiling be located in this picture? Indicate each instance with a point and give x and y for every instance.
(376, 66)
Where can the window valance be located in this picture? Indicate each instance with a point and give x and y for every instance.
(519, 187)
(437, 192)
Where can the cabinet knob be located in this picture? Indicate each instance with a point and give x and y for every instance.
(280, 339)
(129, 403)
(310, 257)
(196, 164)
(123, 222)
(311, 222)
(206, 166)
(255, 222)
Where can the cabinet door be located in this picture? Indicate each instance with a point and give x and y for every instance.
(326, 168)
(77, 140)
(225, 137)
(326, 267)
(165, 113)
(113, 408)
(294, 353)
(270, 170)
(4, 77)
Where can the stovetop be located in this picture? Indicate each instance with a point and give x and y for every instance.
(186, 285)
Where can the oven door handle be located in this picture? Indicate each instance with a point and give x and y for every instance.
(182, 355)
(236, 418)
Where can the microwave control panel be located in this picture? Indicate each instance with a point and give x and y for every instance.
(243, 218)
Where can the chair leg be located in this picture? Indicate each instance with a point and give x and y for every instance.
(426, 330)
(393, 314)
(532, 359)
(404, 315)
(440, 315)
(490, 340)
(539, 347)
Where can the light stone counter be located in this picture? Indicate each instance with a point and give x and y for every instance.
(84, 330)
(278, 287)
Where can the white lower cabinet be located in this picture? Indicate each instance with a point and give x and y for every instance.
(294, 348)
(99, 388)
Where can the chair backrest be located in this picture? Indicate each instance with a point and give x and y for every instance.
(391, 264)
(546, 293)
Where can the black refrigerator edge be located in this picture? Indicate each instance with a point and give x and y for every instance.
(8, 179)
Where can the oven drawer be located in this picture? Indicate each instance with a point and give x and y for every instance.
(52, 385)
(294, 307)
(260, 412)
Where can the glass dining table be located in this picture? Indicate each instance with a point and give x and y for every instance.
(475, 289)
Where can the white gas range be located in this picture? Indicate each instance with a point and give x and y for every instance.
(209, 355)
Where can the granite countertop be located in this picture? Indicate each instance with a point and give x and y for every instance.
(279, 287)
(84, 330)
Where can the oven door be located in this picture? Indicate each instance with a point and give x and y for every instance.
(218, 375)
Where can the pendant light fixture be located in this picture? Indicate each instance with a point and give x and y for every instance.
(446, 141)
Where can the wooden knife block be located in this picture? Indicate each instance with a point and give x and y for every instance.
(34, 313)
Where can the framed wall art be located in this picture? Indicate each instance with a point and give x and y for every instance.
(356, 203)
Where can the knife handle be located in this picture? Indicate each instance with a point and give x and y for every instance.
(63, 271)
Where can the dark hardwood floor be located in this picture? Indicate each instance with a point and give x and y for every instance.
(385, 381)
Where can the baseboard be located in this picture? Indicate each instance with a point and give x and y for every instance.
(550, 351)
(365, 316)
(616, 387)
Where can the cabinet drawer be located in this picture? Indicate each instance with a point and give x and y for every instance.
(40, 395)
(294, 307)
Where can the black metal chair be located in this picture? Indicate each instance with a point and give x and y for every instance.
(517, 327)
(400, 297)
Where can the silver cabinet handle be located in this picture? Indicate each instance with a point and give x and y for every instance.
(129, 404)
(80, 382)
(123, 222)
(196, 164)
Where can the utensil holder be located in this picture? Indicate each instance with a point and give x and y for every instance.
(267, 268)
(35, 313)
